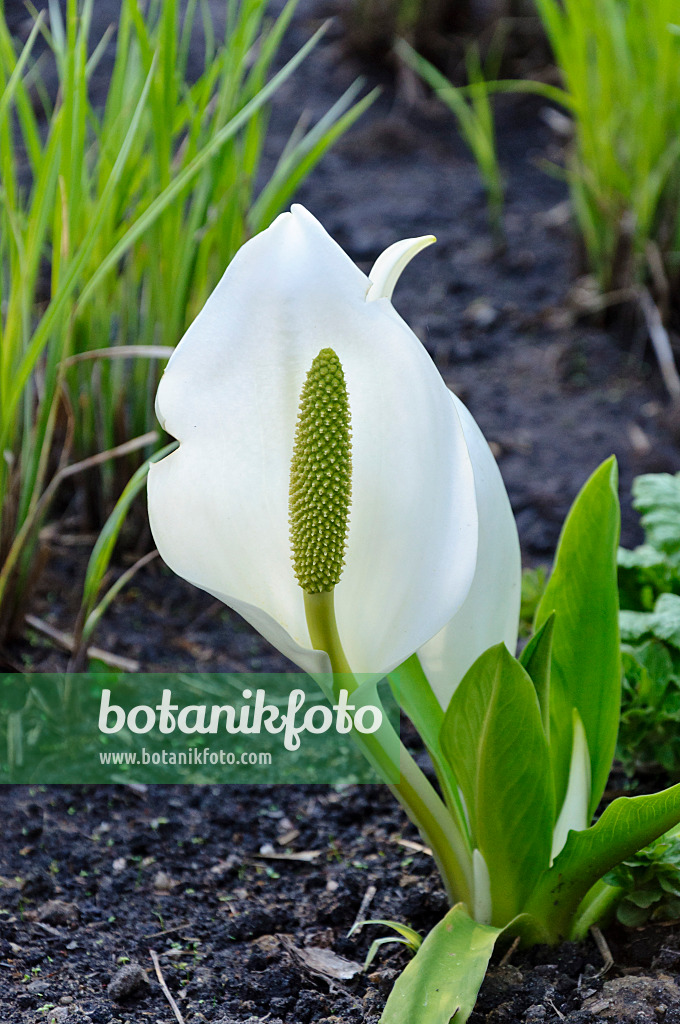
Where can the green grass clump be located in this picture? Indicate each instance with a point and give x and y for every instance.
(620, 65)
(619, 61)
(472, 109)
(119, 226)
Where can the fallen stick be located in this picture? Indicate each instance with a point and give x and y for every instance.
(658, 335)
(365, 903)
(603, 949)
(65, 640)
(166, 991)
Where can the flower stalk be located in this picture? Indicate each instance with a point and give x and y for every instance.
(323, 629)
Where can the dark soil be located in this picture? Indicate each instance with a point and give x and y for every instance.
(93, 878)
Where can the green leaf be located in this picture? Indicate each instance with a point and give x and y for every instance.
(646, 565)
(644, 573)
(635, 626)
(631, 915)
(657, 497)
(626, 826)
(535, 659)
(650, 881)
(444, 977)
(494, 740)
(662, 623)
(642, 557)
(665, 619)
(650, 708)
(409, 935)
(377, 943)
(586, 669)
(655, 660)
(179, 183)
(18, 69)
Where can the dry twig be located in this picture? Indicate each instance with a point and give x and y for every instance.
(168, 931)
(122, 352)
(509, 951)
(65, 640)
(365, 903)
(408, 844)
(603, 949)
(658, 336)
(166, 991)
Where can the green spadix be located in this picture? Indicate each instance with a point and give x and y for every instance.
(321, 476)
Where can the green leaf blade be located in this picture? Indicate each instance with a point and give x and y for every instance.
(445, 976)
(586, 667)
(506, 784)
(626, 826)
(535, 659)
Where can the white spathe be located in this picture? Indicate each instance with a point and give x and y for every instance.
(490, 612)
(388, 267)
(573, 815)
(218, 505)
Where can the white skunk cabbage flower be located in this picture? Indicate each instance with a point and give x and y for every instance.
(299, 391)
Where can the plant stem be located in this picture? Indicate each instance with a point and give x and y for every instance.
(323, 628)
(598, 903)
(413, 791)
(435, 824)
(415, 697)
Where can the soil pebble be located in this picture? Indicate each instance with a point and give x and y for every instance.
(127, 982)
(637, 999)
(57, 912)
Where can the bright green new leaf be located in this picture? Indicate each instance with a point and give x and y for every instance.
(444, 977)
(626, 826)
(418, 700)
(377, 943)
(406, 936)
(586, 669)
(535, 659)
(410, 935)
(494, 740)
